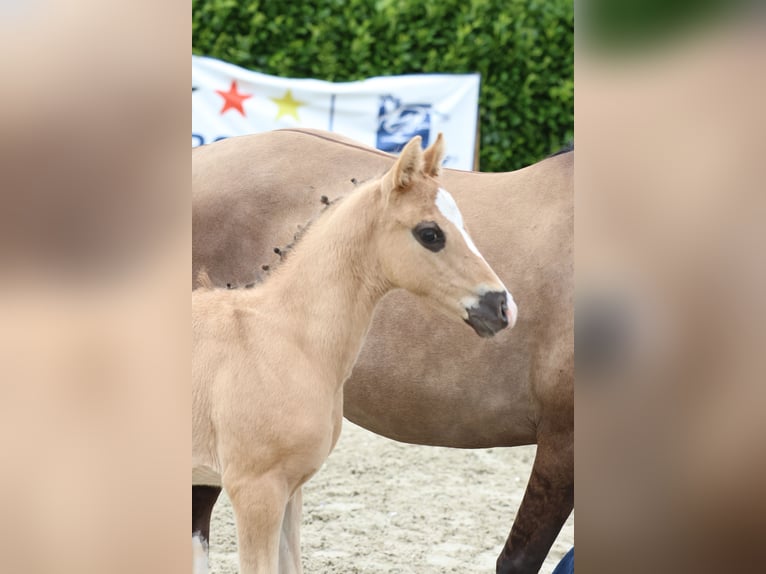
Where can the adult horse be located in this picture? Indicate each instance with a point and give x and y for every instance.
(418, 378)
(269, 364)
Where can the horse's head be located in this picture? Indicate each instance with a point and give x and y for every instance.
(426, 249)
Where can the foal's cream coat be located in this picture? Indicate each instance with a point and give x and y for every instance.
(269, 363)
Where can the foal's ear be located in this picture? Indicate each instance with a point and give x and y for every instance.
(433, 156)
(408, 164)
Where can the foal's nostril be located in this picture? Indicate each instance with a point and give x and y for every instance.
(504, 309)
(496, 307)
(491, 313)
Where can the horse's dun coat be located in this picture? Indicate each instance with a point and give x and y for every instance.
(269, 363)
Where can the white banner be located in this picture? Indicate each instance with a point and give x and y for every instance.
(383, 112)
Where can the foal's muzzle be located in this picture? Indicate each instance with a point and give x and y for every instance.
(491, 314)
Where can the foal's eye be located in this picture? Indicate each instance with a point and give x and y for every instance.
(429, 235)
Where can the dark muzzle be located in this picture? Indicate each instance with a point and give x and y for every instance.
(490, 315)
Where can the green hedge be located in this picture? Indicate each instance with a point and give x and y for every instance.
(522, 48)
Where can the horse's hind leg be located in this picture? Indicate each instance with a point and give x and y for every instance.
(203, 500)
(547, 503)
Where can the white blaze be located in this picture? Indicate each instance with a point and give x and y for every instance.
(445, 203)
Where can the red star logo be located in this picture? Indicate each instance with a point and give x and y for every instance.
(233, 99)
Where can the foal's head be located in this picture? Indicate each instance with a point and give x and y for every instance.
(425, 248)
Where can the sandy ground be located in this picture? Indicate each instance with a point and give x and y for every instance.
(378, 506)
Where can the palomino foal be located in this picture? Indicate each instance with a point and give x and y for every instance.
(268, 364)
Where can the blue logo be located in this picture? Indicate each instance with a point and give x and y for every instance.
(398, 123)
(199, 139)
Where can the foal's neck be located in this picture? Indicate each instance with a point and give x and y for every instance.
(329, 285)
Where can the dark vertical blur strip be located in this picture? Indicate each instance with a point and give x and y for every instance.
(94, 248)
(670, 316)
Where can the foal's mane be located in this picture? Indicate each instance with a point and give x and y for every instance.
(204, 281)
(283, 252)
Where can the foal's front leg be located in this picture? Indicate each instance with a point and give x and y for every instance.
(259, 506)
(290, 539)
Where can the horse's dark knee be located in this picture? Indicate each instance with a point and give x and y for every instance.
(516, 565)
(203, 500)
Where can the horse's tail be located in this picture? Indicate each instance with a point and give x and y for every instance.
(569, 146)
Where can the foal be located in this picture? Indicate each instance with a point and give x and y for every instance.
(268, 364)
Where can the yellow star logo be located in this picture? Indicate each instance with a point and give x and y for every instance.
(287, 105)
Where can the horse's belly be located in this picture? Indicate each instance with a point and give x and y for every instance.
(203, 475)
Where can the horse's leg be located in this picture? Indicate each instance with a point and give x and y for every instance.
(290, 540)
(548, 501)
(203, 500)
(259, 507)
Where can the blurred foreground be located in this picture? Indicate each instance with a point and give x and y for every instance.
(94, 248)
(670, 319)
